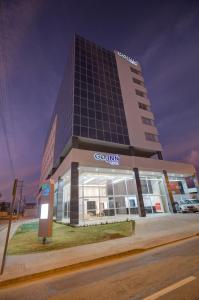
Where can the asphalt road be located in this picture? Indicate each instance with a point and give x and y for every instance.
(169, 272)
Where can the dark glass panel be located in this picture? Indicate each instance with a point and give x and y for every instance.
(84, 111)
(76, 109)
(77, 119)
(76, 130)
(84, 121)
(84, 131)
(98, 86)
(92, 133)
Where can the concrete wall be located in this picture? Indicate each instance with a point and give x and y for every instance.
(136, 128)
(47, 160)
(86, 158)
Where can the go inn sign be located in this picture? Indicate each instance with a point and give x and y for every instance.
(131, 60)
(112, 159)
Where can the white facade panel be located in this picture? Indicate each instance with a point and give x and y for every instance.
(134, 114)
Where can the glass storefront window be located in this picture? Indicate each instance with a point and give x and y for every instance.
(111, 193)
(154, 192)
(65, 184)
(179, 187)
(120, 205)
(119, 187)
(66, 198)
(106, 192)
(131, 188)
(146, 186)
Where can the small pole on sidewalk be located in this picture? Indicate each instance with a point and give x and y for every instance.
(9, 224)
(20, 186)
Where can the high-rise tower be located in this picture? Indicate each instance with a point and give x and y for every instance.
(102, 133)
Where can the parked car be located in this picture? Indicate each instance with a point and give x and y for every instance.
(195, 202)
(185, 206)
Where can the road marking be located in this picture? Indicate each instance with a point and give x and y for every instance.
(170, 288)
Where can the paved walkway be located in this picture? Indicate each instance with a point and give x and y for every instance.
(149, 232)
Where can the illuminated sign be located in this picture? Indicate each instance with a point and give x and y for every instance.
(131, 60)
(45, 189)
(44, 211)
(112, 159)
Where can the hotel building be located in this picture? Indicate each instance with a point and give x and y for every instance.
(102, 149)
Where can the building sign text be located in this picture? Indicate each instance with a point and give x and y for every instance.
(112, 159)
(131, 60)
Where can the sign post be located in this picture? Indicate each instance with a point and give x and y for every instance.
(46, 210)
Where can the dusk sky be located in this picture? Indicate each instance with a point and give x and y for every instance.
(35, 39)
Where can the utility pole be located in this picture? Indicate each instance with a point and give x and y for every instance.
(23, 205)
(20, 190)
(14, 190)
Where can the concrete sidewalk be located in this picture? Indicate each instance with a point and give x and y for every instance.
(150, 232)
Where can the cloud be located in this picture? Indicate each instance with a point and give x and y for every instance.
(153, 49)
(185, 22)
(179, 145)
(16, 19)
(158, 51)
(193, 157)
(31, 189)
(169, 60)
(28, 172)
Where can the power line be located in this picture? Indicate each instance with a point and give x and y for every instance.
(4, 92)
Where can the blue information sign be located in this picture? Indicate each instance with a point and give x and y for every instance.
(45, 189)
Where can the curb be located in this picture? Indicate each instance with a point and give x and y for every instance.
(88, 263)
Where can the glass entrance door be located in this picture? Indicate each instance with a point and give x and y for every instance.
(132, 205)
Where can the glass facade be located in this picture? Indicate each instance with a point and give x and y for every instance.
(106, 193)
(63, 111)
(112, 194)
(154, 192)
(66, 199)
(62, 198)
(178, 187)
(98, 104)
(89, 102)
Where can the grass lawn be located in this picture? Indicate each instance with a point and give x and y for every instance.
(26, 240)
